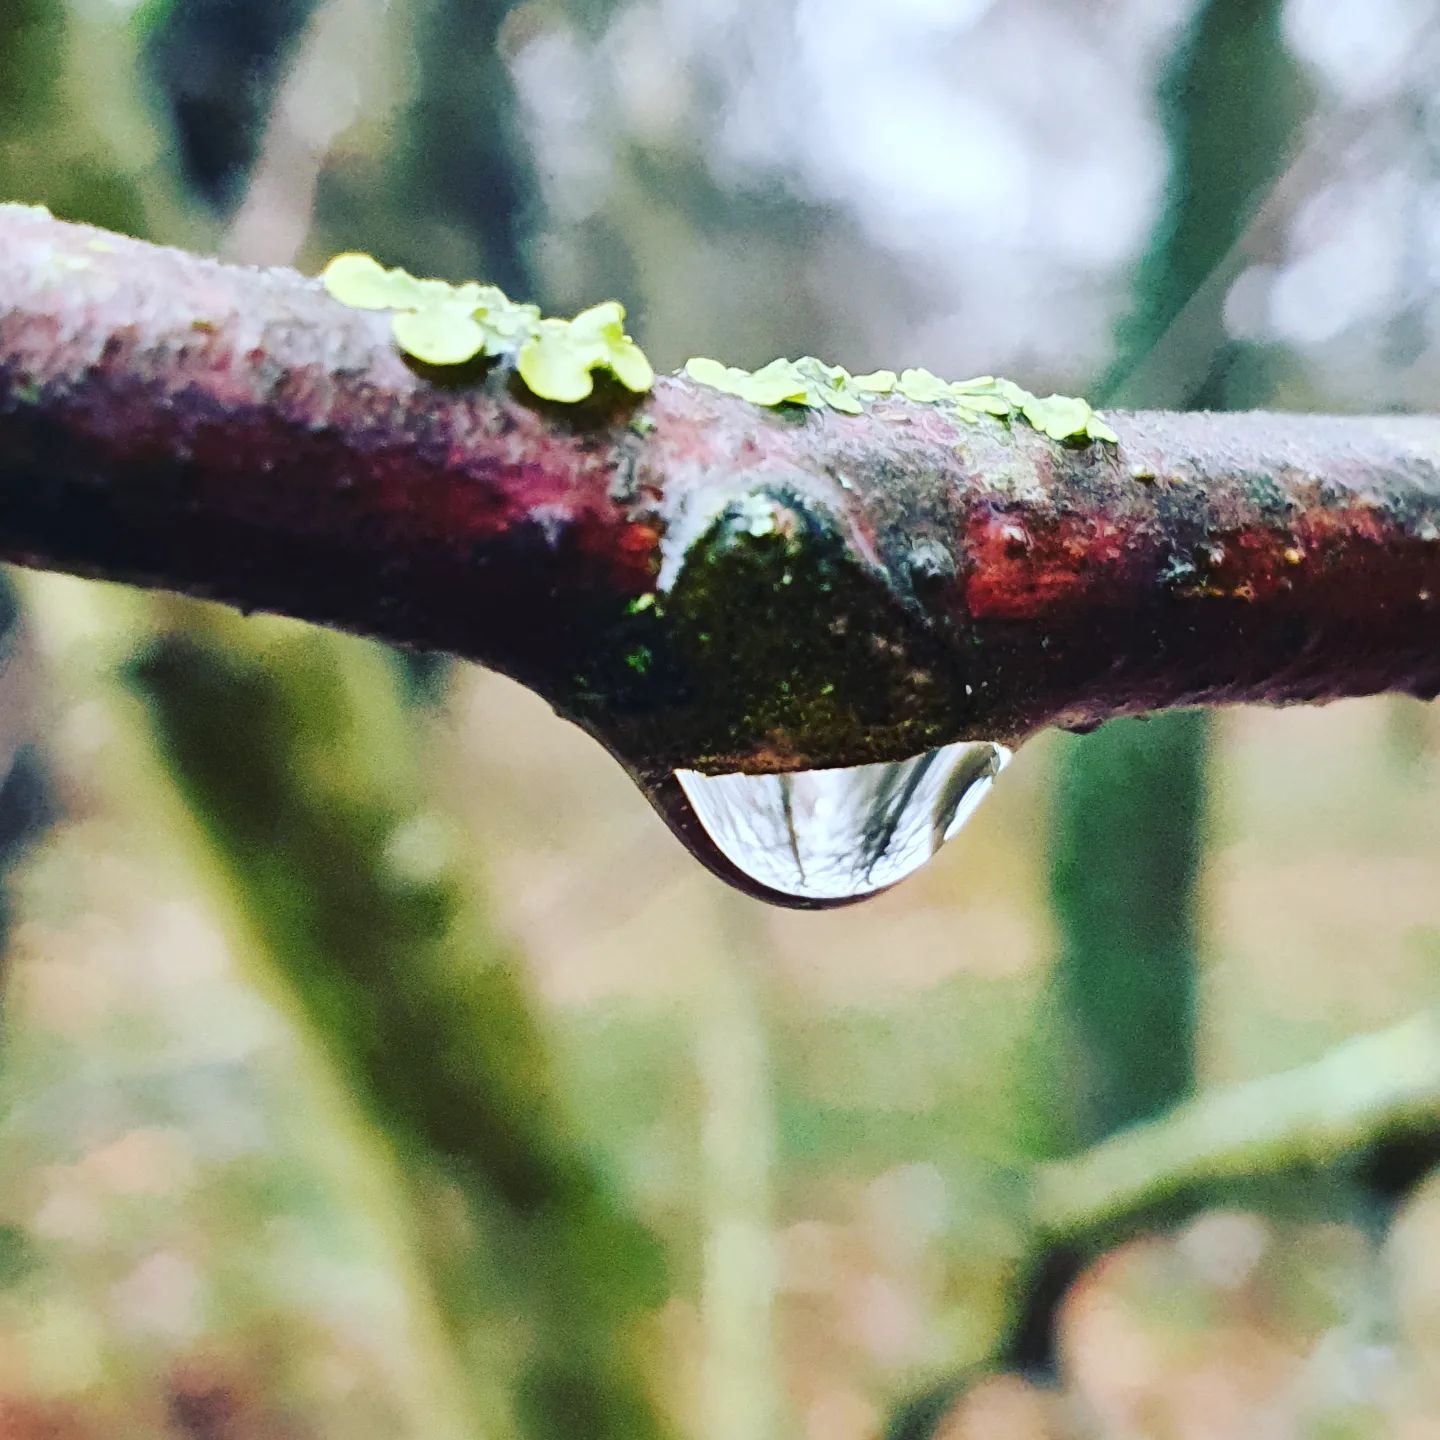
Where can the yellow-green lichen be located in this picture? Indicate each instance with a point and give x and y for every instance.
(806, 381)
(810, 382)
(442, 324)
(557, 360)
(1061, 417)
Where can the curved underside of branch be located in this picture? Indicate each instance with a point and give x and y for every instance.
(698, 581)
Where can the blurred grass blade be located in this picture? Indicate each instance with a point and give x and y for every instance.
(742, 1386)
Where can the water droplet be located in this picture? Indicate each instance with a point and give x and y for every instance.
(815, 838)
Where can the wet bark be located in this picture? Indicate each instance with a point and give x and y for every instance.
(697, 581)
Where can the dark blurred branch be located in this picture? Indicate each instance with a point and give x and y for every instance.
(824, 590)
(1369, 1108)
(215, 66)
(301, 768)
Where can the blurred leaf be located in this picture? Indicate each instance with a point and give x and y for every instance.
(17, 1257)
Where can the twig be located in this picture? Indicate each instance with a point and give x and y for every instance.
(811, 591)
(1364, 1091)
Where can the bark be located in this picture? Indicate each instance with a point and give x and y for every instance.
(812, 589)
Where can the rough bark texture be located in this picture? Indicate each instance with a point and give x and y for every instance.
(824, 589)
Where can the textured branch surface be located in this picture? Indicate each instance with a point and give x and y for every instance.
(698, 581)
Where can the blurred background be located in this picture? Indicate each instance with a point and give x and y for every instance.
(374, 1063)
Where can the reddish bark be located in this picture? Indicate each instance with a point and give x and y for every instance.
(826, 589)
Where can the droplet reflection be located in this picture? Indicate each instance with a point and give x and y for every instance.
(835, 835)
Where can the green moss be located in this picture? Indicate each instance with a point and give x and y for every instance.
(442, 324)
(775, 643)
(762, 626)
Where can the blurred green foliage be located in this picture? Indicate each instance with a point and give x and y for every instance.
(50, 151)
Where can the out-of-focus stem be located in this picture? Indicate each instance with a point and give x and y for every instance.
(1363, 1092)
(1129, 807)
(1125, 839)
(741, 1384)
(91, 629)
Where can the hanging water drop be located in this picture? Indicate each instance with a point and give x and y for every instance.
(824, 837)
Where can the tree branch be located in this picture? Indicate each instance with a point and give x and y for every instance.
(1367, 1090)
(812, 589)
